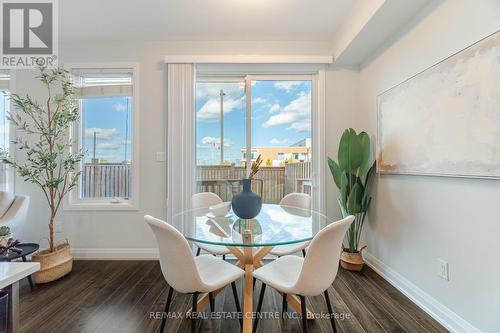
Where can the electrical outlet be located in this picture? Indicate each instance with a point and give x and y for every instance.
(442, 269)
(161, 156)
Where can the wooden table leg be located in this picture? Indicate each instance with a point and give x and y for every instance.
(294, 301)
(248, 300)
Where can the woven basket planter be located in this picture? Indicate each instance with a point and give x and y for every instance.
(53, 265)
(352, 261)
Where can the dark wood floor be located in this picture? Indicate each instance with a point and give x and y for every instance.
(118, 296)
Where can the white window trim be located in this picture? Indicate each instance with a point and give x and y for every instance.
(318, 95)
(72, 202)
(11, 172)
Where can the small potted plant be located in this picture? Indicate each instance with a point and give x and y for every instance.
(49, 161)
(352, 177)
(5, 235)
(247, 204)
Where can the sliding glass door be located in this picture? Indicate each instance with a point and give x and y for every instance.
(238, 119)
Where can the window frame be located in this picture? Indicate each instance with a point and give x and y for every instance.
(11, 174)
(73, 202)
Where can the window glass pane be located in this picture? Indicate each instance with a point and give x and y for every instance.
(281, 134)
(106, 101)
(220, 136)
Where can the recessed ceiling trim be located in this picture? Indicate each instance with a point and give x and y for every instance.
(248, 59)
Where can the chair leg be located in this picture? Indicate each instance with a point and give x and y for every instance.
(194, 312)
(284, 307)
(304, 313)
(330, 311)
(237, 301)
(304, 253)
(167, 307)
(259, 306)
(198, 251)
(212, 302)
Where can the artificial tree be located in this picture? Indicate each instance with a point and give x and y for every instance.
(50, 160)
(352, 177)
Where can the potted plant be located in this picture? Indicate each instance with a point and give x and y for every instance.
(352, 177)
(5, 235)
(49, 160)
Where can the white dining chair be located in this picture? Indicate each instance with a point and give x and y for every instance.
(187, 274)
(309, 276)
(296, 200)
(13, 211)
(205, 200)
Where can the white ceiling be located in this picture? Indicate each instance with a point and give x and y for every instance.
(221, 20)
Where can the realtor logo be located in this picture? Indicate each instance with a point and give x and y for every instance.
(29, 33)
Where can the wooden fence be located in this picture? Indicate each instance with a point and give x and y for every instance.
(298, 177)
(272, 182)
(114, 180)
(106, 180)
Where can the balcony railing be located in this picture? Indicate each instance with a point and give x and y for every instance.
(109, 180)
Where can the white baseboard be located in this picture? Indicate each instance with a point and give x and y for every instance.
(446, 317)
(115, 253)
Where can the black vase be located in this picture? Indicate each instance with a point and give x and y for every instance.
(246, 204)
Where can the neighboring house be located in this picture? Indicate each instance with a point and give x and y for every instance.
(278, 156)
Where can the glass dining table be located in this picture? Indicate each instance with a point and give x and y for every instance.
(251, 240)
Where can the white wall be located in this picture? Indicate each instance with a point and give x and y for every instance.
(124, 234)
(416, 220)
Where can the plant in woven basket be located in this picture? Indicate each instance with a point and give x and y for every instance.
(352, 177)
(49, 160)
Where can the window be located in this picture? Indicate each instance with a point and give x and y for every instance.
(239, 119)
(6, 174)
(107, 100)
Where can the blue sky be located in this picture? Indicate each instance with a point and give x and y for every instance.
(281, 116)
(110, 119)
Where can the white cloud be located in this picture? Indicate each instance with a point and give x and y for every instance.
(120, 107)
(297, 113)
(259, 100)
(287, 86)
(209, 140)
(274, 108)
(275, 141)
(210, 111)
(108, 146)
(212, 90)
(102, 133)
(304, 126)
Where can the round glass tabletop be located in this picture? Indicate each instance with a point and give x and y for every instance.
(275, 225)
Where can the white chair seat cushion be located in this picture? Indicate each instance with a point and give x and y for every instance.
(283, 250)
(216, 273)
(281, 274)
(213, 249)
(6, 200)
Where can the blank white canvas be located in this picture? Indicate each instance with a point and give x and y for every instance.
(446, 119)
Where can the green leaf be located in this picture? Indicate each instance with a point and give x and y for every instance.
(354, 199)
(366, 153)
(336, 171)
(349, 154)
(344, 182)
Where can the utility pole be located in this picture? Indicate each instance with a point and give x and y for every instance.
(222, 94)
(94, 160)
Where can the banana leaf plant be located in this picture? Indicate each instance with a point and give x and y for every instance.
(352, 175)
